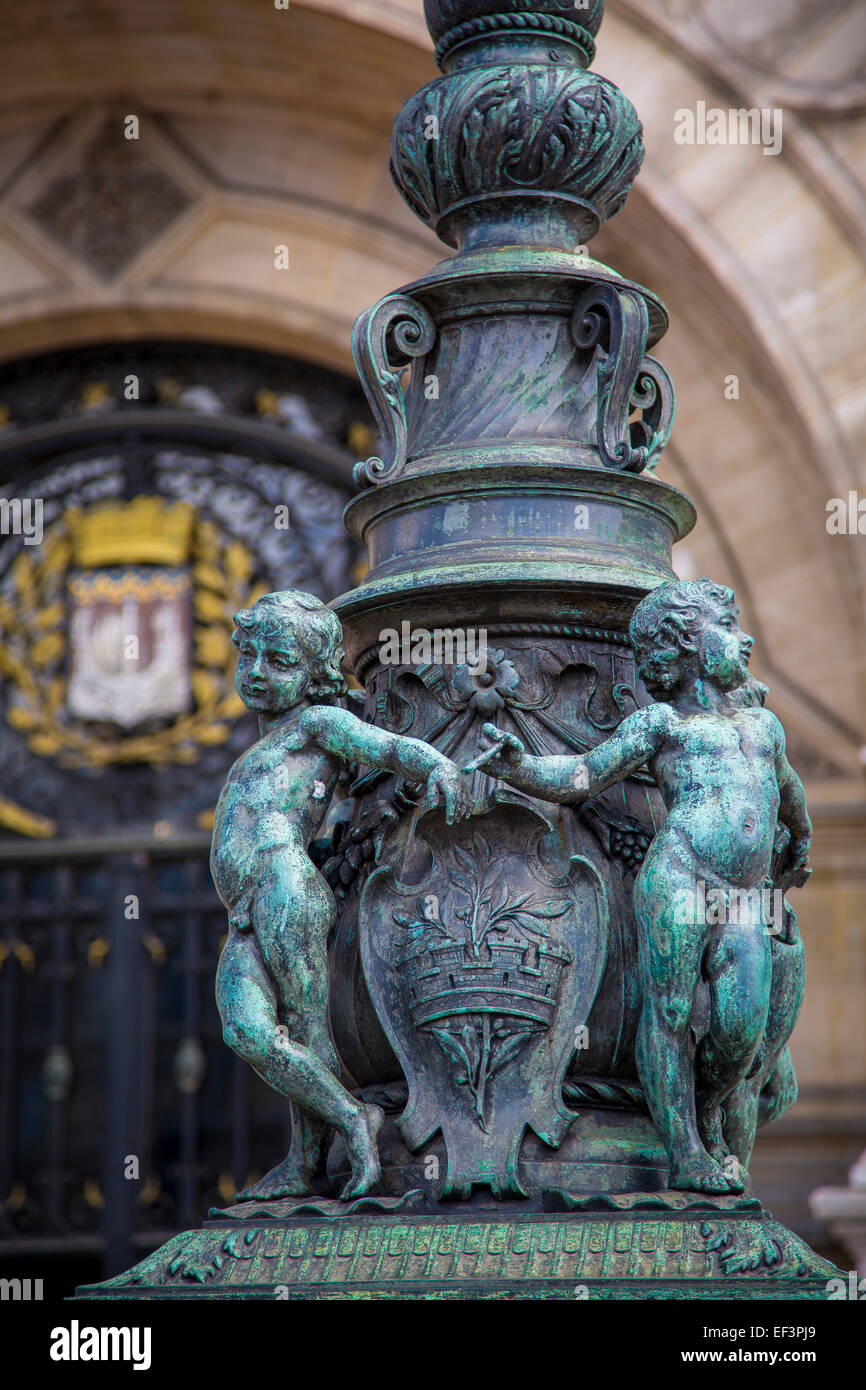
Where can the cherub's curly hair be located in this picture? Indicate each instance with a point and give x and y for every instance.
(306, 628)
(676, 608)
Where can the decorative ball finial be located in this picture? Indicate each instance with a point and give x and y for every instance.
(517, 143)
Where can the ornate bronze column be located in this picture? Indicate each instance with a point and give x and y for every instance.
(484, 983)
(514, 498)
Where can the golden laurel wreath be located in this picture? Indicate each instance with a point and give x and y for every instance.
(33, 645)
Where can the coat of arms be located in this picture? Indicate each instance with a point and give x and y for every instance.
(115, 634)
(481, 969)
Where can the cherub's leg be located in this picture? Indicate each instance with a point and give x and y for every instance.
(671, 943)
(296, 1174)
(292, 913)
(779, 1091)
(740, 1121)
(770, 1092)
(311, 1136)
(738, 966)
(311, 1141)
(248, 1008)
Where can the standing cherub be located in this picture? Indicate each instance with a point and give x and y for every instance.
(272, 978)
(725, 780)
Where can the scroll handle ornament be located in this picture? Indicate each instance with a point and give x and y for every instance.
(384, 341)
(617, 321)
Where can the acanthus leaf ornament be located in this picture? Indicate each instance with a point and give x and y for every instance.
(745, 1248)
(194, 1257)
(545, 132)
(384, 341)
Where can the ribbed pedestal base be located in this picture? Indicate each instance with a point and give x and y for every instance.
(635, 1246)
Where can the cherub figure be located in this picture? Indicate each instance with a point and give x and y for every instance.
(272, 978)
(771, 1085)
(725, 780)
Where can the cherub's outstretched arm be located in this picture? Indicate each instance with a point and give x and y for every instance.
(341, 732)
(576, 779)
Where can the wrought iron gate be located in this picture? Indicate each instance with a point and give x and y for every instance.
(107, 959)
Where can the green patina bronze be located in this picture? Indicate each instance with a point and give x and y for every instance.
(521, 996)
(704, 897)
(272, 978)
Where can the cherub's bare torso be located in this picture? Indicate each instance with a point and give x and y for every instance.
(275, 796)
(717, 776)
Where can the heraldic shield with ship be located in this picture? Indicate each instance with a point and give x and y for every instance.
(507, 920)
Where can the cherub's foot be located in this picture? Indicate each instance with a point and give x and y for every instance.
(288, 1179)
(735, 1173)
(360, 1140)
(710, 1130)
(701, 1173)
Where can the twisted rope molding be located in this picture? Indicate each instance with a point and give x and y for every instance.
(487, 24)
(611, 1095)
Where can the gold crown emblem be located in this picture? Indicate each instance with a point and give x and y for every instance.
(147, 530)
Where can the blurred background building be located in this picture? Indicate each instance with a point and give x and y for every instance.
(194, 207)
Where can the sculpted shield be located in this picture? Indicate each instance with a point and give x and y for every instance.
(483, 957)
